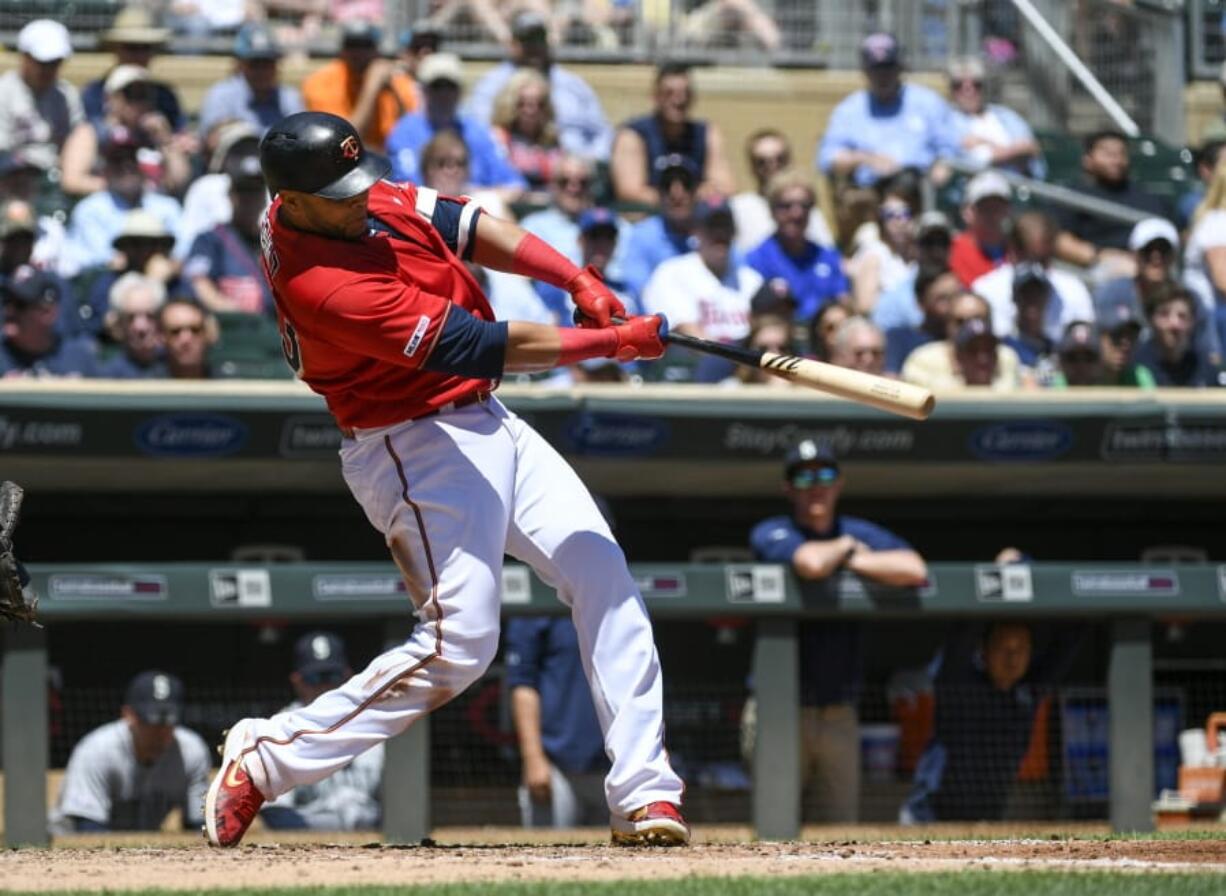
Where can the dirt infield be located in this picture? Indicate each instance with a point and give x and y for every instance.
(268, 864)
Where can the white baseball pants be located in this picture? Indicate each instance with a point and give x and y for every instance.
(452, 493)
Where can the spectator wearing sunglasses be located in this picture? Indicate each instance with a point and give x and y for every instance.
(768, 152)
(1119, 331)
(989, 134)
(818, 543)
(188, 331)
(348, 799)
(885, 253)
(970, 355)
(814, 272)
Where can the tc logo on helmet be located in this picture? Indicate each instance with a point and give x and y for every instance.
(350, 148)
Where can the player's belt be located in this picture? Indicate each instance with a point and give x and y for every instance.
(479, 397)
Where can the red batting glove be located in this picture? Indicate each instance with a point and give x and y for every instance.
(641, 338)
(593, 299)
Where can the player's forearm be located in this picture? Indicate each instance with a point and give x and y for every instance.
(902, 568)
(505, 246)
(526, 716)
(535, 347)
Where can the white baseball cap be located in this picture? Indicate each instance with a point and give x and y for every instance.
(987, 184)
(45, 40)
(1145, 232)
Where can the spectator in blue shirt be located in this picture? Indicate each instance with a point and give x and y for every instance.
(582, 127)
(814, 273)
(488, 166)
(988, 688)
(254, 93)
(817, 543)
(570, 194)
(32, 345)
(560, 742)
(223, 264)
(876, 133)
(132, 322)
(936, 286)
(667, 234)
(97, 219)
(1032, 292)
(897, 306)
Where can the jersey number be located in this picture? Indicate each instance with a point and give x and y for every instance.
(289, 345)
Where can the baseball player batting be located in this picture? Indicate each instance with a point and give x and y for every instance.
(380, 316)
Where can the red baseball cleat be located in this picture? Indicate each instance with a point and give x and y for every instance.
(656, 824)
(233, 801)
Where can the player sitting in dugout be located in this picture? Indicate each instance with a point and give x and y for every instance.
(130, 773)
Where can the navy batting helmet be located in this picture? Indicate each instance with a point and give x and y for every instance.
(319, 153)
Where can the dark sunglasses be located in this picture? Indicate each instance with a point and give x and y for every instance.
(194, 329)
(795, 203)
(762, 161)
(807, 477)
(896, 214)
(581, 182)
(959, 83)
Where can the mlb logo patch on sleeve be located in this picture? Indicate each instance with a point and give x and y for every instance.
(419, 333)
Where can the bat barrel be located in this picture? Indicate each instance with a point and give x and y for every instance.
(904, 399)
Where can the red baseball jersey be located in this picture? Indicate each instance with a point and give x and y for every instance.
(359, 317)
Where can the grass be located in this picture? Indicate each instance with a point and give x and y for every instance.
(961, 883)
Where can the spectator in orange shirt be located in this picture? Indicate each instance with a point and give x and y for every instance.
(980, 249)
(359, 85)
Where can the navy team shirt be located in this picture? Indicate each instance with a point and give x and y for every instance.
(542, 653)
(831, 653)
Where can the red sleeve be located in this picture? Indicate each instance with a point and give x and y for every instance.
(380, 317)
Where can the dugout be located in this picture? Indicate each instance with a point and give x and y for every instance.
(169, 473)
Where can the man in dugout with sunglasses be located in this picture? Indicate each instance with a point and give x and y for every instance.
(818, 542)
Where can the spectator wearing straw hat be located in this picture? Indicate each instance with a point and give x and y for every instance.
(135, 38)
(254, 94)
(38, 110)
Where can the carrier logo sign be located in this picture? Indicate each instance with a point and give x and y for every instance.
(1008, 584)
(102, 586)
(240, 588)
(191, 435)
(1021, 442)
(616, 435)
(1154, 583)
(755, 584)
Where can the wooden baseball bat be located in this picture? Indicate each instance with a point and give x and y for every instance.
(905, 399)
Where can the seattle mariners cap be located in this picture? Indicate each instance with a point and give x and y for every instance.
(45, 40)
(156, 698)
(255, 41)
(808, 453)
(1151, 230)
(320, 656)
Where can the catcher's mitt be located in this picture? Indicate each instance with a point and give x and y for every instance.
(17, 599)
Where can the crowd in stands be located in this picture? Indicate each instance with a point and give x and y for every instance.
(129, 229)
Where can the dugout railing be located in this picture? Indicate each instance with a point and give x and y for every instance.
(1124, 596)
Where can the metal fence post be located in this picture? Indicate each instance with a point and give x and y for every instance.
(776, 756)
(406, 769)
(23, 702)
(1130, 695)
